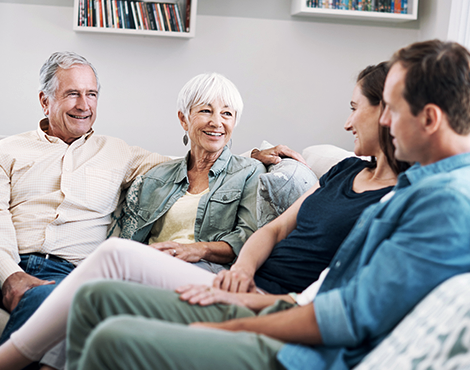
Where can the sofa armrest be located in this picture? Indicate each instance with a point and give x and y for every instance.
(4, 316)
(434, 335)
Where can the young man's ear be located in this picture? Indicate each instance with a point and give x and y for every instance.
(432, 118)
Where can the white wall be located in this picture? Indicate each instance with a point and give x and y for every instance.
(296, 75)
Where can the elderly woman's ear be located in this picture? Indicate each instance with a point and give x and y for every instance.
(183, 121)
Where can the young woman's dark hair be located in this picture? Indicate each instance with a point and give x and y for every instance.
(372, 81)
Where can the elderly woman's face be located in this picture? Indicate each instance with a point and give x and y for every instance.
(210, 126)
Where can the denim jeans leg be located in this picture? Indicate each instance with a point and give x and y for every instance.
(32, 299)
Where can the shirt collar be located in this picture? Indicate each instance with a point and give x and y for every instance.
(219, 165)
(417, 172)
(42, 133)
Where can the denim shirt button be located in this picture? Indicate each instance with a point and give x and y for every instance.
(338, 264)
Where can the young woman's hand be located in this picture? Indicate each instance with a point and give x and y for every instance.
(204, 295)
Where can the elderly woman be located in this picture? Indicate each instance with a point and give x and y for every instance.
(200, 209)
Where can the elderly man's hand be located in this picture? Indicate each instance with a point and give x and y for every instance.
(274, 155)
(16, 285)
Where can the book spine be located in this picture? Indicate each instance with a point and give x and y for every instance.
(122, 13)
(171, 11)
(81, 12)
(155, 15)
(187, 20)
(150, 16)
(164, 17)
(178, 18)
(145, 25)
(168, 16)
(134, 16)
(160, 16)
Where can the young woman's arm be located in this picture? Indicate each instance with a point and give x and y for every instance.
(258, 248)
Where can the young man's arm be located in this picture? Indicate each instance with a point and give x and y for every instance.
(295, 325)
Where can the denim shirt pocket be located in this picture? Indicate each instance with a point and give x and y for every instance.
(223, 209)
(378, 232)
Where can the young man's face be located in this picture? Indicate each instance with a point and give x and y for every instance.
(406, 129)
(72, 109)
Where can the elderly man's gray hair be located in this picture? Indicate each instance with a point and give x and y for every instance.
(206, 88)
(61, 59)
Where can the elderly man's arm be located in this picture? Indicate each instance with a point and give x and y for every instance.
(274, 155)
(15, 282)
(295, 325)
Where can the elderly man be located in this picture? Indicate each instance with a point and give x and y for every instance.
(399, 250)
(58, 187)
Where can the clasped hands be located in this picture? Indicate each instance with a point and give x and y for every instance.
(186, 252)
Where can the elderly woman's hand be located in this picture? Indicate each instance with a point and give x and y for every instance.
(275, 154)
(204, 295)
(186, 252)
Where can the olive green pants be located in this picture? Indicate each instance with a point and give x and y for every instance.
(120, 325)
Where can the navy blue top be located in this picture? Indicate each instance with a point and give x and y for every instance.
(323, 222)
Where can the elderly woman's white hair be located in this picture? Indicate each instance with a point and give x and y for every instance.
(206, 88)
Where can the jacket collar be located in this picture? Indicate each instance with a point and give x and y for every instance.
(219, 165)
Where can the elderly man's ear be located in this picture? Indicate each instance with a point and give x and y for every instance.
(44, 100)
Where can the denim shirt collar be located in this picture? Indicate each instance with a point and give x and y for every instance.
(219, 165)
(417, 172)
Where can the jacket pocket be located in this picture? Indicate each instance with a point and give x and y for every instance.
(223, 208)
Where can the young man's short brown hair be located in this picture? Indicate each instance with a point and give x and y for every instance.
(438, 73)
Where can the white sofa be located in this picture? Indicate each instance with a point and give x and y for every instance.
(295, 177)
(435, 335)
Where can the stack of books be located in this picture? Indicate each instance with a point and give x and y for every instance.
(135, 15)
(385, 6)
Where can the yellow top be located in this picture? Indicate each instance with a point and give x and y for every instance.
(178, 223)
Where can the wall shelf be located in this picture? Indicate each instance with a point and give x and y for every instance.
(300, 8)
(142, 32)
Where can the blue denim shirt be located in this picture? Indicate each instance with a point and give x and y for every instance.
(227, 213)
(399, 250)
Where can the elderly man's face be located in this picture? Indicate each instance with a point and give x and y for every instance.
(72, 110)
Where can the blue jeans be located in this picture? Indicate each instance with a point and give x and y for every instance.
(43, 269)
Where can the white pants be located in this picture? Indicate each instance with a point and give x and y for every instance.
(117, 259)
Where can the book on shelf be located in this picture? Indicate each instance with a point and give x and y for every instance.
(383, 6)
(132, 14)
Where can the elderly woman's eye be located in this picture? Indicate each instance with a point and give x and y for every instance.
(228, 114)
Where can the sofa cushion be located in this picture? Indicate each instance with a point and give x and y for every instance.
(281, 186)
(320, 158)
(435, 335)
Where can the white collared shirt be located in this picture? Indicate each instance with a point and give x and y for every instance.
(58, 198)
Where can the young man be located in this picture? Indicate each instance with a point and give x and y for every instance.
(399, 250)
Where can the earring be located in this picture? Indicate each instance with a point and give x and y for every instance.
(185, 138)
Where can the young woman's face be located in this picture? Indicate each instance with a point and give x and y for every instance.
(363, 122)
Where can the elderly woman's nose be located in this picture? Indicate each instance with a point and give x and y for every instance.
(216, 120)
